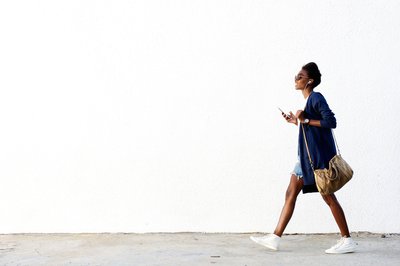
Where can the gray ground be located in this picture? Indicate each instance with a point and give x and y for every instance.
(191, 249)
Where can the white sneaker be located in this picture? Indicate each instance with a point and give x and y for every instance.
(270, 241)
(344, 245)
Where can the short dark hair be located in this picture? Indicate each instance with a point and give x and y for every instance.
(313, 73)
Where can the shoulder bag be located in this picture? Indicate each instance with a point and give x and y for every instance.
(339, 173)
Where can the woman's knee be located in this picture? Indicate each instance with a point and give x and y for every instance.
(294, 188)
(330, 199)
(290, 195)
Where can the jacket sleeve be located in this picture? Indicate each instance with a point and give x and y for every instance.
(328, 117)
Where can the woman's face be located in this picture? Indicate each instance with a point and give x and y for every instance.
(301, 80)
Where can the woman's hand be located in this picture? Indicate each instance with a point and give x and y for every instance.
(300, 115)
(291, 118)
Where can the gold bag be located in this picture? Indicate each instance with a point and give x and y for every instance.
(331, 180)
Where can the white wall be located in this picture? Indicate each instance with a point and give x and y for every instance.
(148, 116)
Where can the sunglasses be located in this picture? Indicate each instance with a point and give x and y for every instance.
(299, 77)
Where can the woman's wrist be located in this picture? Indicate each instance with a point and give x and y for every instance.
(314, 123)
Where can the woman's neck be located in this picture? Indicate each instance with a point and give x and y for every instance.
(306, 92)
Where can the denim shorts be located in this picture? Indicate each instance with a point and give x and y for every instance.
(297, 170)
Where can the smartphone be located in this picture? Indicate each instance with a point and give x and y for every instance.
(284, 114)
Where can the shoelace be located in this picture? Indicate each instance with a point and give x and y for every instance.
(339, 243)
(266, 237)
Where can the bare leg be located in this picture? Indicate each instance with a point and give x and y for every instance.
(338, 214)
(292, 192)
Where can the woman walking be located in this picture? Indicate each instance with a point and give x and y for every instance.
(317, 119)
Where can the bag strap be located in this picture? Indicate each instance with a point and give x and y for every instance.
(308, 151)
(337, 146)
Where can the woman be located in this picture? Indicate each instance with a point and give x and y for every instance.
(317, 120)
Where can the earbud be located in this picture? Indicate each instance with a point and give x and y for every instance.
(309, 82)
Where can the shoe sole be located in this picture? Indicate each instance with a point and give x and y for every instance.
(340, 252)
(264, 245)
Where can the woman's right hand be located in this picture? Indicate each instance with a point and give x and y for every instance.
(291, 118)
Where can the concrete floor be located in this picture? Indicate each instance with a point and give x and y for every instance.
(191, 249)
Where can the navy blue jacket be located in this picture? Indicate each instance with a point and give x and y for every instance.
(320, 139)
